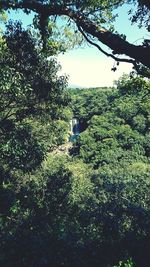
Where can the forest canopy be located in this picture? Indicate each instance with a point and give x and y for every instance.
(88, 207)
(84, 203)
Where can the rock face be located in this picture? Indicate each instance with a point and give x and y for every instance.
(62, 149)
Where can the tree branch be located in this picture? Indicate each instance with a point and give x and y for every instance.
(104, 52)
(140, 53)
(136, 66)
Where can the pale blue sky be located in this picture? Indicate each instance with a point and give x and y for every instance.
(86, 66)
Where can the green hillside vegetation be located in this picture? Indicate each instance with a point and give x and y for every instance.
(89, 208)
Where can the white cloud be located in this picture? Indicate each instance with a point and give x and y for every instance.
(90, 70)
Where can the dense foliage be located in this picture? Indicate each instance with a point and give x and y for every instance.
(30, 88)
(87, 208)
(115, 145)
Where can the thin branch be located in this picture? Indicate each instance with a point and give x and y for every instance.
(114, 41)
(142, 72)
(112, 5)
(103, 51)
(8, 115)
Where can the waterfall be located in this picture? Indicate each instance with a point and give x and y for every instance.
(74, 129)
(71, 127)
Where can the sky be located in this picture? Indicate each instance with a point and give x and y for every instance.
(88, 67)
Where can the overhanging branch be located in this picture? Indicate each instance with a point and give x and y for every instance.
(139, 70)
(104, 52)
(138, 54)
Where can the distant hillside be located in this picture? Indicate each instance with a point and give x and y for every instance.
(91, 92)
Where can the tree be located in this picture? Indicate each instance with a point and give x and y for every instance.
(91, 19)
(29, 87)
(118, 130)
(31, 95)
(115, 146)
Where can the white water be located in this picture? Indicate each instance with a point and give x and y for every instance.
(74, 128)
